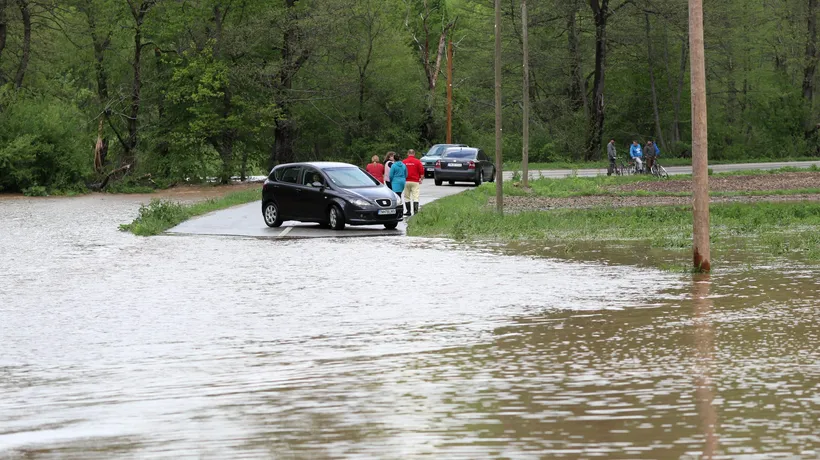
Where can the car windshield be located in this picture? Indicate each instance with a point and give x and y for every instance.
(460, 154)
(350, 177)
(435, 151)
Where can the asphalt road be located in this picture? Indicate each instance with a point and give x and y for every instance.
(246, 220)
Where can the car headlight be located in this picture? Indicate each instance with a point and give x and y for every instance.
(360, 202)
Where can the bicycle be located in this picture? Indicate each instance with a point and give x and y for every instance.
(658, 170)
(631, 167)
(617, 168)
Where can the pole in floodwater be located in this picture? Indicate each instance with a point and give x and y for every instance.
(525, 153)
(450, 91)
(700, 160)
(499, 189)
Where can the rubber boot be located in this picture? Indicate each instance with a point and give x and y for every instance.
(416, 207)
(407, 209)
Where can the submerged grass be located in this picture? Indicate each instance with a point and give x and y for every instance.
(776, 228)
(160, 215)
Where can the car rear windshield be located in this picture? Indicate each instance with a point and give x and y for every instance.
(461, 154)
(350, 177)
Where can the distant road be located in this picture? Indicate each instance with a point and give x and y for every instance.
(559, 173)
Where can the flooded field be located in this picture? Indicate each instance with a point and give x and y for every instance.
(180, 346)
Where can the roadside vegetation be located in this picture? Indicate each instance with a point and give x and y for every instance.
(752, 220)
(161, 214)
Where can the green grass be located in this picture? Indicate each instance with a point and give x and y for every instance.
(160, 215)
(777, 228)
(602, 164)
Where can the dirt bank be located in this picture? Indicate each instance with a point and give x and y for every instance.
(740, 184)
(526, 203)
(751, 183)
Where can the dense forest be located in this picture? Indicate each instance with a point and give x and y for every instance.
(188, 89)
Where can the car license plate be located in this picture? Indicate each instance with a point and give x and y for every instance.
(454, 165)
(387, 212)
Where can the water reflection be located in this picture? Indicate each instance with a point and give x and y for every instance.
(116, 346)
(704, 344)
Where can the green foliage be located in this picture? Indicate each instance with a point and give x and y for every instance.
(38, 143)
(346, 76)
(160, 215)
(35, 190)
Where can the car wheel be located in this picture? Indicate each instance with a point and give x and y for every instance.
(271, 215)
(452, 182)
(438, 181)
(391, 225)
(492, 177)
(335, 218)
(480, 179)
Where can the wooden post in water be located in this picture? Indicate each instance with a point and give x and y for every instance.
(525, 155)
(499, 188)
(450, 91)
(700, 160)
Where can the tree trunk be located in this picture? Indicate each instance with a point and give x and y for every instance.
(525, 156)
(499, 163)
(285, 130)
(656, 112)
(3, 34)
(130, 146)
(136, 87)
(24, 58)
(595, 128)
(100, 46)
(227, 134)
(811, 65)
(676, 109)
(578, 85)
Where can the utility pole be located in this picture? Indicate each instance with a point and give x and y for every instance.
(700, 162)
(450, 91)
(499, 188)
(525, 160)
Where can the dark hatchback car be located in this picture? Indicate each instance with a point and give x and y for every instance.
(464, 164)
(332, 194)
(429, 159)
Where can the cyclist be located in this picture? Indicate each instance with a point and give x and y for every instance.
(637, 155)
(652, 153)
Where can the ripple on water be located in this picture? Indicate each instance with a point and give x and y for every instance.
(121, 346)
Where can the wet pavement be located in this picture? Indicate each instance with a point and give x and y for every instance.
(116, 346)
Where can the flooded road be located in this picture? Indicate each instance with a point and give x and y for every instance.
(218, 347)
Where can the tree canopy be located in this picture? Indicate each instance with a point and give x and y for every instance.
(219, 88)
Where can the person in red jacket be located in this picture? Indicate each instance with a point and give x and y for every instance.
(415, 174)
(376, 169)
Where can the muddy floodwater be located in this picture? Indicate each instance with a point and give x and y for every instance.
(114, 346)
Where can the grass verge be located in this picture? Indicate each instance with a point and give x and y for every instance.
(160, 215)
(575, 186)
(516, 166)
(776, 228)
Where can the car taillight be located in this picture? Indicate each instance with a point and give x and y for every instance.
(438, 164)
(471, 165)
